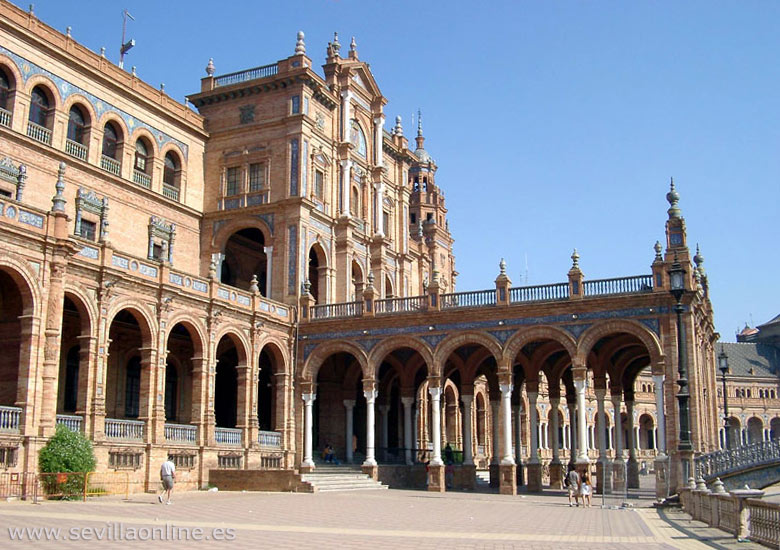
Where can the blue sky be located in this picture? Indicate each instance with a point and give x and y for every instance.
(555, 124)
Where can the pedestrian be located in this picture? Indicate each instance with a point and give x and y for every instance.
(167, 476)
(586, 489)
(572, 482)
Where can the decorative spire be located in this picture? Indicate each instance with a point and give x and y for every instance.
(300, 45)
(210, 67)
(502, 267)
(67, 31)
(419, 123)
(253, 286)
(673, 197)
(336, 44)
(419, 228)
(370, 278)
(575, 259)
(20, 179)
(213, 268)
(698, 259)
(58, 202)
(307, 286)
(353, 49)
(398, 130)
(658, 248)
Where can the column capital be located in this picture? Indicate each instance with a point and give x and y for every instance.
(467, 399)
(370, 396)
(434, 391)
(309, 398)
(580, 384)
(349, 403)
(532, 396)
(407, 401)
(383, 408)
(506, 388)
(601, 393)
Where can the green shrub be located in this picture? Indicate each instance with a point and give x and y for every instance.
(66, 451)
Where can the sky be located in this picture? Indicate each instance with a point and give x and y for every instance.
(555, 125)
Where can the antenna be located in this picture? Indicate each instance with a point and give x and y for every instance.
(125, 47)
(526, 269)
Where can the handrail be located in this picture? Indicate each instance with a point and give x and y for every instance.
(180, 432)
(619, 285)
(5, 117)
(401, 305)
(336, 311)
(718, 463)
(474, 298)
(539, 293)
(248, 74)
(72, 422)
(228, 436)
(9, 419)
(124, 429)
(269, 439)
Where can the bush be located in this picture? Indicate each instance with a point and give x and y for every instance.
(66, 451)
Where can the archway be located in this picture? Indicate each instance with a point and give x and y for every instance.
(74, 357)
(774, 427)
(317, 274)
(245, 257)
(269, 367)
(226, 383)
(646, 432)
(128, 377)
(755, 430)
(182, 349)
(11, 310)
(340, 389)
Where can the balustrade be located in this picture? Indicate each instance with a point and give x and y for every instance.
(39, 133)
(5, 118)
(75, 149)
(110, 165)
(335, 311)
(124, 429)
(717, 463)
(9, 419)
(269, 439)
(401, 305)
(475, 298)
(170, 192)
(539, 293)
(228, 436)
(249, 74)
(180, 432)
(764, 522)
(144, 180)
(72, 422)
(620, 285)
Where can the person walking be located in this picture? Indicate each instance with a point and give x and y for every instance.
(572, 482)
(586, 490)
(167, 476)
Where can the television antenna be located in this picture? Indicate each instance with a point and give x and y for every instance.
(125, 47)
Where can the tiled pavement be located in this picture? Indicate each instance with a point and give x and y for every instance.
(373, 519)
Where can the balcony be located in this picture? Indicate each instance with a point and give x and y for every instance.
(5, 118)
(75, 149)
(181, 433)
(72, 422)
(131, 430)
(39, 133)
(229, 437)
(144, 180)
(9, 419)
(335, 311)
(269, 439)
(249, 74)
(110, 165)
(170, 192)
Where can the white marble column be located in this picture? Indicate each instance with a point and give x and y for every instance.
(660, 442)
(349, 407)
(308, 402)
(506, 398)
(582, 422)
(554, 404)
(655, 438)
(370, 396)
(468, 457)
(379, 189)
(602, 423)
(618, 428)
(416, 430)
(383, 419)
(534, 427)
(519, 434)
(407, 403)
(379, 123)
(494, 421)
(630, 429)
(269, 257)
(435, 394)
(346, 113)
(346, 171)
(572, 431)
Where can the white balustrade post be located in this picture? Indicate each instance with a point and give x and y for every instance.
(349, 406)
(582, 444)
(370, 396)
(506, 398)
(407, 403)
(658, 381)
(534, 420)
(435, 393)
(308, 402)
(468, 457)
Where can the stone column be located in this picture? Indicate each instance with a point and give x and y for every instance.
(494, 420)
(618, 477)
(534, 468)
(349, 407)
(407, 403)
(308, 403)
(556, 472)
(346, 169)
(582, 422)
(658, 380)
(436, 481)
(370, 396)
(383, 414)
(572, 431)
(51, 350)
(199, 398)
(507, 470)
(468, 457)
(269, 269)
(416, 430)
(519, 434)
(633, 465)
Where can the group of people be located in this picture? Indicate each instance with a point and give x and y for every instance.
(579, 486)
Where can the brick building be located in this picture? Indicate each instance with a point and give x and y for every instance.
(240, 285)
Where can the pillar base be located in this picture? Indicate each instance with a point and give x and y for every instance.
(306, 469)
(603, 477)
(436, 481)
(534, 471)
(466, 477)
(371, 470)
(633, 473)
(494, 475)
(618, 476)
(661, 467)
(556, 475)
(520, 479)
(507, 479)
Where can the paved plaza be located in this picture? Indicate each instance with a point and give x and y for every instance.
(370, 519)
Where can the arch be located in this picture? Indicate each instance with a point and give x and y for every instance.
(44, 81)
(27, 281)
(194, 327)
(592, 335)
(755, 429)
(220, 238)
(76, 99)
(276, 349)
(119, 124)
(11, 69)
(453, 342)
(173, 166)
(85, 307)
(388, 345)
(358, 280)
(525, 336)
(174, 149)
(358, 138)
(244, 258)
(142, 133)
(145, 319)
(144, 155)
(313, 363)
(42, 108)
(8, 80)
(317, 272)
(240, 341)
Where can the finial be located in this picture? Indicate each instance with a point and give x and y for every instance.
(502, 267)
(419, 123)
(213, 268)
(32, 9)
(398, 130)
(253, 286)
(698, 259)
(210, 67)
(658, 248)
(307, 286)
(133, 71)
(673, 197)
(300, 45)
(58, 202)
(717, 487)
(353, 49)
(575, 258)
(370, 278)
(20, 179)
(102, 51)
(419, 228)
(336, 44)
(162, 87)
(67, 31)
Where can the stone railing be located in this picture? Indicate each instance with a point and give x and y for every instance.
(539, 293)
(72, 422)
(243, 76)
(185, 433)
(396, 305)
(5, 118)
(228, 436)
(75, 149)
(144, 180)
(764, 520)
(619, 285)
(170, 192)
(39, 133)
(719, 463)
(741, 512)
(269, 439)
(110, 165)
(124, 429)
(336, 311)
(475, 298)
(9, 419)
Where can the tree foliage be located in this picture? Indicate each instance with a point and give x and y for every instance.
(67, 451)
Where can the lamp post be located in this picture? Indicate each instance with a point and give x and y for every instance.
(677, 290)
(723, 366)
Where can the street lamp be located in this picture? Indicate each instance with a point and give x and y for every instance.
(723, 366)
(677, 290)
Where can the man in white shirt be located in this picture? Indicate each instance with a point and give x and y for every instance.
(167, 475)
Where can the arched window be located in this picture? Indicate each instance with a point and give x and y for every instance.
(39, 107)
(77, 125)
(354, 204)
(171, 170)
(5, 92)
(110, 141)
(141, 156)
(358, 138)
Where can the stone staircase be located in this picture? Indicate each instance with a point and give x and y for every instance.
(344, 477)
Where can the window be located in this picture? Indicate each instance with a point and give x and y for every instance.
(157, 251)
(170, 170)
(88, 230)
(319, 184)
(141, 156)
(5, 91)
(413, 217)
(76, 125)
(358, 139)
(256, 177)
(233, 181)
(354, 205)
(386, 222)
(110, 141)
(296, 104)
(39, 107)
(132, 387)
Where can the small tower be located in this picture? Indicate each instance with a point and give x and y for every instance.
(676, 236)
